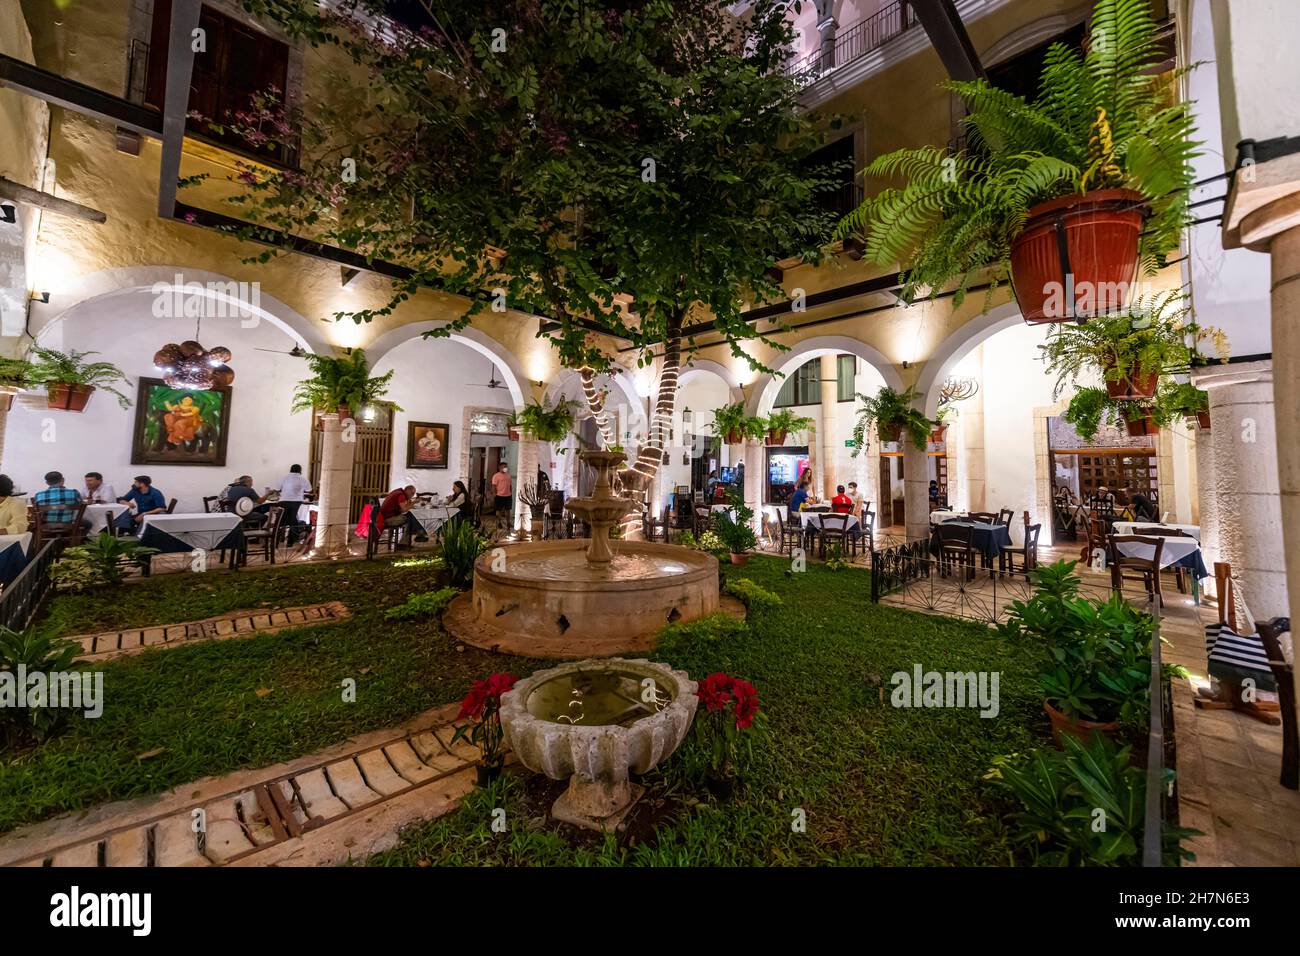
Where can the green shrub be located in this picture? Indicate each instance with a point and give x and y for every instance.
(1067, 795)
(461, 546)
(101, 561)
(757, 598)
(428, 604)
(713, 628)
(34, 653)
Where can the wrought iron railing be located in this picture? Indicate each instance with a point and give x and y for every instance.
(1158, 796)
(22, 598)
(855, 42)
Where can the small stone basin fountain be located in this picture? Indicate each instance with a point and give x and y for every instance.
(575, 598)
(595, 722)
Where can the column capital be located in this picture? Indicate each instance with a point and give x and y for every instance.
(1242, 373)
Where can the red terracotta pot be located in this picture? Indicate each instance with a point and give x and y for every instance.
(775, 438)
(1203, 419)
(68, 397)
(1080, 729)
(938, 432)
(734, 437)
(1130, 386)
(1141, 426)
(1100, 231)
(739, 559)
(890, 432)
(6, 401)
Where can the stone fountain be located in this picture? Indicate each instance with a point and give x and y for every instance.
(573, 598)
(595, 722)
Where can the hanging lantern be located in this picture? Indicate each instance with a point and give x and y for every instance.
(189, 365)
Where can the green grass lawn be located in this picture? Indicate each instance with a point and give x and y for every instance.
(877, 784)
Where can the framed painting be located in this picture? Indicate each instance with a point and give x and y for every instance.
(426, 444)
(179, 426)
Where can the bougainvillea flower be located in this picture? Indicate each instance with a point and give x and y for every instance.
(714, 691)
(746, 695)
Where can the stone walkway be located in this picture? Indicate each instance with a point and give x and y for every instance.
(344, 803)
(110, 644)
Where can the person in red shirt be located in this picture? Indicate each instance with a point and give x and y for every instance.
(841, 504)
(395, 510)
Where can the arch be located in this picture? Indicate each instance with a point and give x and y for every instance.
(621, 378)
(767, 386)
(112, 283)
(1029, 36)
(960, 343)
(479, 341)
(700, 366)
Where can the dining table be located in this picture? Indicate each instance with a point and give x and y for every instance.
(203, 531)
(1179, 550)
(988, 539)
(432, 517)
(99, 515)
(15, 549)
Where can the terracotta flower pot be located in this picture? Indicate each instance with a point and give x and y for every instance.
(1203, 420)
(1139, 427)
(734, 437)
(775, 437)
(1080, 729)
(739, 559)
(69, 397)
(890, 432)
(344, 413)
(1130, 385)
(938, 432)
(7, 398)
(1100, 236)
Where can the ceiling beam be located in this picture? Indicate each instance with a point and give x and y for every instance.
(948, 35)
(176, 103)
(34, 197)
(60, 91)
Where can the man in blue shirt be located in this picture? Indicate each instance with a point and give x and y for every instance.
(56, 494)
(148, 501)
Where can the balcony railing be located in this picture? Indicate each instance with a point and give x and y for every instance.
(855, 42)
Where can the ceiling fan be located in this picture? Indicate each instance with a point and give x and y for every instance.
(492, 382)
(297, 351)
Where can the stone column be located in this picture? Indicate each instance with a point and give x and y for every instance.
(826, 430)
(338, 450)
(1243, 523)
(916, 489)
(753, 458)
(1285, 307)
(1207, 500)
(527, 475)
(972, 436)
(826, 27)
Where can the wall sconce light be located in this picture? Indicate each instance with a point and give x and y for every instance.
(348, 275)
(43, 297)
(7, 213)
(368, 412)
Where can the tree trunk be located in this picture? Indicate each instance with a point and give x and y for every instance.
(651, 454)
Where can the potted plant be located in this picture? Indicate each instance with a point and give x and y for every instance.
(1070, 196)
(731, 422)
(481, 708)
(1131, 351)
(892, 414)
(939, 431)
(342, 384)
(69, 380)
(1186, 400)
(544, 423)
(729, 706)
(734, 528)
(15, 375)
(781, 423)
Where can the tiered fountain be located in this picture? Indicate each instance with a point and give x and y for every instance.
(571, 598)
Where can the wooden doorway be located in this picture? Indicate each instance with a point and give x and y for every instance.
(374, 457)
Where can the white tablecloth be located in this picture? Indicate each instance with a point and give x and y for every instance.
(432, 518)
(1127, 527)
(1175, 549)
(97, 515)
(203, 531)
(813, 519)
(938, 517)
(23, 541)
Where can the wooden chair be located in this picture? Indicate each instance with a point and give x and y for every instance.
(1146, 570)
(267, 536)
(1270, 633)
(955, 548)
(835, 530)
(1095, 538)
(792, 533)
(649, 526)
(70, 531)
(1028, 551)
(209, 501)
(983, 517)
(703, 520)
(1180, 573)
(1005, 515)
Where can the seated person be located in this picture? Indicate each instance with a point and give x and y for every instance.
(55, 493)
(13, 508)
(242, 487)
(841, 504)
(799, 498)
(395, 511)
(97, 491)
(148, 500)
(459, 499)
(1143, 508)
(934, 491)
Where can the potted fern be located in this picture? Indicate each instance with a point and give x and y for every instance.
(15, 375)
(545, 423)
(731, 422)
(1090, 408)
(1188, 401)
(734, 528)
(1131, 351)
(940, 430)
(70, 380)
(341, 384)
(781, 423)
(1070, 196)
(892, 414)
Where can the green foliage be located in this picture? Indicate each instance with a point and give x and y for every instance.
(340, 381)
(1097, 654)
(422, 606)
(1068, 795)
(1177, 399)
(101, 562)
(1152, 337)
(729, 418)
(1088, 408)
(712, 628)
(34, 653)
(757, 598)
(15, 373)
(544, 423)
(785, 420)
(158, 397)
(888, 409)
(55, 367)
(735, 528)
(461, 546)
(1101, 120)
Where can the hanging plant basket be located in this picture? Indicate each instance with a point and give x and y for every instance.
(890, 432)
(68, 396)
(775, 437)
(938, 433)
(1130, 385)
(1203, 420)
(735, 437)
(512, 434)
(1091, 237)
(7, 393)
(1139, 427)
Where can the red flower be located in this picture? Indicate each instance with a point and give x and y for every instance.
(483, 691)
(746, 695)
(714, 691)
